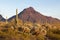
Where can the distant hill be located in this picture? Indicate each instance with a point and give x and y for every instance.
(1, 18)
(29, 14)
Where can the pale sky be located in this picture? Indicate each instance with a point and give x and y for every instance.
(45, 7)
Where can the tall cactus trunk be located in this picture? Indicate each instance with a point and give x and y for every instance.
(6, 20)
(17, 17)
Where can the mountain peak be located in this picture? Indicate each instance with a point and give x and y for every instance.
(29, 9)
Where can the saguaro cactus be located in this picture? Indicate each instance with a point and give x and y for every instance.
(17, 17)
(6, 20)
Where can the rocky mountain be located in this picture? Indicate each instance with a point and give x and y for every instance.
(29, 14)
(1, 18)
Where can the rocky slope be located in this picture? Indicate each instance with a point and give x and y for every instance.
(1, 18)
(29, 14)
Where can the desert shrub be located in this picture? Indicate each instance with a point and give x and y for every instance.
(56, 31)
(20, 29)
(40, 37)
(54, 35)
(4, 30)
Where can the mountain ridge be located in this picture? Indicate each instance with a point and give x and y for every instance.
(29, 14)
(2, 18)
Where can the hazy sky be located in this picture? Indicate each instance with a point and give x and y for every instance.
(45, 7)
